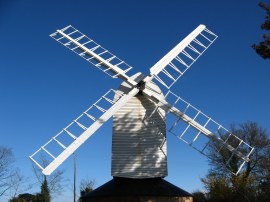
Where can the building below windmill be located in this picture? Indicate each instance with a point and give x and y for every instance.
(137, 190)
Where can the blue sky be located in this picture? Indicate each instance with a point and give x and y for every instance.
(43, 86)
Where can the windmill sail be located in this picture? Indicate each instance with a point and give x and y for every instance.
(201, 132)
(92, 52)
(175, 63)
(62, 145)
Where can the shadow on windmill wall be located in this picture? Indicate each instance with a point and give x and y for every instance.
(139, 144)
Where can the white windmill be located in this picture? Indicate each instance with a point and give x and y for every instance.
(140, 109)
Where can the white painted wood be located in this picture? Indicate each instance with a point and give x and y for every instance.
(139, 147)
(105, 63)
(175, 51)
(176, 62)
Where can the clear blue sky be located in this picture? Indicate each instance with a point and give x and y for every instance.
(43, 86)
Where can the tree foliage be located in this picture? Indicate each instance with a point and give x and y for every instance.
(86, 186)
(252, 184)
(263, 48)
(43, 196)
(45, 192)
(199, 196)
(26, 197)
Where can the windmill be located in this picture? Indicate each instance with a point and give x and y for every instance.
(141, 112)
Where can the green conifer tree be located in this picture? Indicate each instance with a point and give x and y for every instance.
(45, 192)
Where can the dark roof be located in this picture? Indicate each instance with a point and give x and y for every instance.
(137, 187)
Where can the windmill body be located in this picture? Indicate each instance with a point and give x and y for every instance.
(140, 112)
(139, 148)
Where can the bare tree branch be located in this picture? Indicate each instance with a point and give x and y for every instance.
(10, 177)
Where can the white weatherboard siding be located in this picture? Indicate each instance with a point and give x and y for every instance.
(139, 147)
